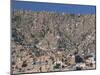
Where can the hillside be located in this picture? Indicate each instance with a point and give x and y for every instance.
(49, 41)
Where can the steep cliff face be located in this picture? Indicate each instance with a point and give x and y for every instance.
(44, 33)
